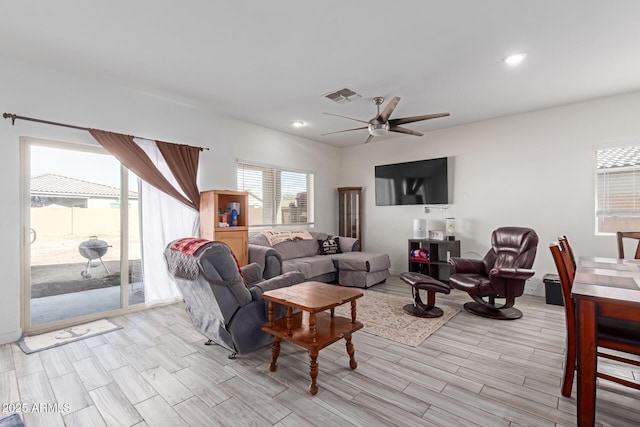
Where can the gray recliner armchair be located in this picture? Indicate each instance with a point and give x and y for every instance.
(224, 306)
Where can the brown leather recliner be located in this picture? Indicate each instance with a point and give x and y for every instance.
(501, 274)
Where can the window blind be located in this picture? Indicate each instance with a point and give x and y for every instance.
(618, 189)
(277, 197)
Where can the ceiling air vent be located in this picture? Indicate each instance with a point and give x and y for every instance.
(342, 96)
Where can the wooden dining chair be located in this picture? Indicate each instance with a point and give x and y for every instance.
(621, 235)
(613, 334)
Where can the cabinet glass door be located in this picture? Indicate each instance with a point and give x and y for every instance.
(353, 214)
(349, 212)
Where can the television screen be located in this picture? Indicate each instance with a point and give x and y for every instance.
(422, 182)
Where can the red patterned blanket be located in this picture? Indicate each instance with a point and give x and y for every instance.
(189, 245)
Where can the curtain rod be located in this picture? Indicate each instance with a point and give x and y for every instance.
(15, 117)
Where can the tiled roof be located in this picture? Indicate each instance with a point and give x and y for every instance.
(619, 157)
(52, 184)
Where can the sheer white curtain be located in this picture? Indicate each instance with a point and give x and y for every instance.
(162, 220)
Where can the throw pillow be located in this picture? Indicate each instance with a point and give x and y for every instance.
(329, 246)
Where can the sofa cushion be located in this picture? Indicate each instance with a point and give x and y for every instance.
(290, 250)
(329, 246)
(309, 266)
(348, 244)
(361, 261)
(361, 279)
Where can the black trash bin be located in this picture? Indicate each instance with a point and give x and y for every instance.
(553, 289)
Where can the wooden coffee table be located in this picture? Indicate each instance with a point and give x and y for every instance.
(313, 328)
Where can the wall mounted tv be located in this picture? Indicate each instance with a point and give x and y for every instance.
(422, 182)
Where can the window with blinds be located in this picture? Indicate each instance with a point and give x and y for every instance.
(618, 189)
(277, 197)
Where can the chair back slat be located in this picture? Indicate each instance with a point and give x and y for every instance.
(564, 244)
(621, 235)
(566, 273)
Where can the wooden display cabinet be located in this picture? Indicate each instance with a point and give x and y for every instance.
(212, 204)
(437, 266)
(349, 209)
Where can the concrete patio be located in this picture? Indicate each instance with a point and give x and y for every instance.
(64, 306)
(59, 292)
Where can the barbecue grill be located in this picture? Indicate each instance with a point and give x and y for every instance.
(93, 249)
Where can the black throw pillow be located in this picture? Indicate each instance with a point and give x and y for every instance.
(329, 246)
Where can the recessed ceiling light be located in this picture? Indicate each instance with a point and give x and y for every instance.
(297, 124)
(514, 59)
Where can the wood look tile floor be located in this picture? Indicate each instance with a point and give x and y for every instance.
(157, 372)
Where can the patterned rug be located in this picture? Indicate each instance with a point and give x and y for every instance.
(382, 315)
(31, 344)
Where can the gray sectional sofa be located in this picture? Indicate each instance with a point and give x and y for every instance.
(349, 267)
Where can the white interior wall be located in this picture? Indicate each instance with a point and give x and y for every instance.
(535, 169)
(31, 91)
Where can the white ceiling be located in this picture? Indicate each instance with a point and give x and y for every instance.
(271, 62)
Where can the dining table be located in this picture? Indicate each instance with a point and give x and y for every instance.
(605, 287)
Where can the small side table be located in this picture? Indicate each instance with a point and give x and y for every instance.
(313, 328)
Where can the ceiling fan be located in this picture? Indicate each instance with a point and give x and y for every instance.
(380, 124)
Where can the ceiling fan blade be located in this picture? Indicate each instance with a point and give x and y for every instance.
(384, 116)
(346, 130)
(345, 117)
(405, 120)
(369, 139)
(404, 130)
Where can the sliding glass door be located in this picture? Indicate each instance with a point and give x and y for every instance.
(81, 246)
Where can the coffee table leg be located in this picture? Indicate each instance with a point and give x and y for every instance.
(312, 327)
(275, 352)
(270, 313)
(351, 351)
(289, 321)
(313, 371)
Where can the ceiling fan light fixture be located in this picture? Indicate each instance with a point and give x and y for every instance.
(378, 129)
(380, 124)
(514, 59)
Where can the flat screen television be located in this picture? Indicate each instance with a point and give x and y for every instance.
(421, 182)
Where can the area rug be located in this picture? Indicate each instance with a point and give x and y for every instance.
(12, 421)
(382, 315)
(31, 344)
